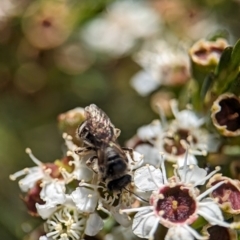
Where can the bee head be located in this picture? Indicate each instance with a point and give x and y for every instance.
(120, 183)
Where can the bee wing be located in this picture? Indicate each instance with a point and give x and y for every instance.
(119, 149)
(101, 156)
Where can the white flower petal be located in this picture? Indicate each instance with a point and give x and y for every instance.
(46, 210)
(136, 160)
(150, 154)
(94, 224)
(210, 208)
(102, 27)
(178, 233)
(43, 238)
(83, 173)
(144, 83)
(120, 218)
(149, 131)
(53, 192)
(28, 182)
(143, 178)
(189, 119)
(143, 225)
(193, 174)
(213, 142)
(85, 199)
(191, 159)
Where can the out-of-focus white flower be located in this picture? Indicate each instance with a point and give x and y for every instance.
(175, 203)
(48, 24)
(7, 9)
(114, 35)
(162, 65)
(144, 83)
(72, 58)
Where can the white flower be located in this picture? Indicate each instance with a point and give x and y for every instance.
(174, 138)
(54, 173)
(68, 223)
(175, 203)
(185, 132)
(9, 8)
(86, 199)
(89, 197)
(144, 83)
(81, 171)
(118, 34)
(144, 142)
(47, 173)
(162, 65)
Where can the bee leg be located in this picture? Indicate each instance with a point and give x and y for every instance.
(86, 142)
(84, 150)
(129, 150)
(80, 129)
(117, 133)
(90, 163)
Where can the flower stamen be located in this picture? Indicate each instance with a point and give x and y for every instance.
(204, 194)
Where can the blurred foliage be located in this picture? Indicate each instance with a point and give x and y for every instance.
(39, 80)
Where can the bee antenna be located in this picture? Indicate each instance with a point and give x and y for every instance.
(135, 195)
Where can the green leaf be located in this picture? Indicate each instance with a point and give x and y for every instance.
(228, 69)
(235, 85)
(208, 82)
(235, 58)
(224, 61)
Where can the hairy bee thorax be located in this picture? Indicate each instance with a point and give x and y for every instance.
(98, 124)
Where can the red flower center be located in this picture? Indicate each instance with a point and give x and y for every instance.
(229, 114)
(173, 144)
(227, 193)
(176, 205)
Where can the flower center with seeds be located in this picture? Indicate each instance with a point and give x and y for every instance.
(173, 145)
(175, 204)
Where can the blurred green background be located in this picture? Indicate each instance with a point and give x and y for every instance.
(47, 69)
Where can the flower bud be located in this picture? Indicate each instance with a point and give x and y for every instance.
(33, 197)
(226, 115)
(227, 195)
(218, 232)
(69, 121)
(207, 53)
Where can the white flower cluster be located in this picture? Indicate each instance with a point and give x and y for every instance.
(162, 64)
(115, 35)
(71, 213)
(176, 202)
(174, 138)
(72, 199)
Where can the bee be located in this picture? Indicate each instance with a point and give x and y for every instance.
(99, 134)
